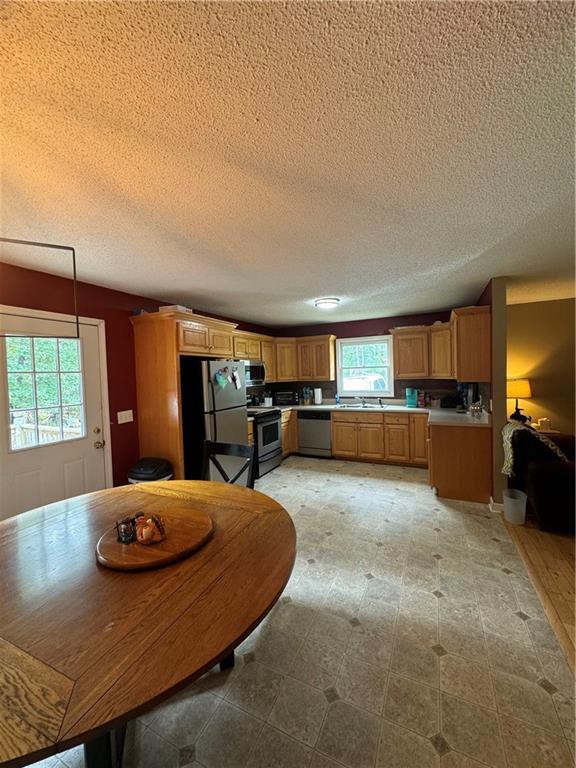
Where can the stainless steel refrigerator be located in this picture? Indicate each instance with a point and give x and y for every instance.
(213, 408)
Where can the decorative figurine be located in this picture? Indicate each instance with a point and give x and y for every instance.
(150, 530)
(144, 530)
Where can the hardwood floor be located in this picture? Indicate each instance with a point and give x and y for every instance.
(549, 558)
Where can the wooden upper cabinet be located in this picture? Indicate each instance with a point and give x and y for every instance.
(306, 366)
(419, 439)
(247, 347)
(411, 352)
(441, 364)
(220, 343)
(472, 342)
(316, 358)
(268, 357)
(286, 360)
(193, 337)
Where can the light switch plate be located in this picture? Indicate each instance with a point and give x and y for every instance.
(125, 416)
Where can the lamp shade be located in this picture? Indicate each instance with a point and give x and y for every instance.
(518, 388)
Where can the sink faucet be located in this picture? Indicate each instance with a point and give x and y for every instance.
(362, 400)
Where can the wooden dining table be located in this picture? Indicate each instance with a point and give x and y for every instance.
(84, 649)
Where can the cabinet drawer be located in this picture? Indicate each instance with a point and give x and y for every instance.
(359, 418)
(399, 419)
(353, 417)
(369, 418)
(286, 416)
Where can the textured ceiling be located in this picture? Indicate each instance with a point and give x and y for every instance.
(243, 158)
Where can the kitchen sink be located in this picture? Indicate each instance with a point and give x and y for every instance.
(359, 405)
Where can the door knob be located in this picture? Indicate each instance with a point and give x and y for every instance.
(99, 443)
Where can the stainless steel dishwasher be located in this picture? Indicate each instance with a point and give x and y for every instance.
(314, 433)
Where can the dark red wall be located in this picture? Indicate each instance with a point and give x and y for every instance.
(352, 328)
(485, 298)
(38, 290)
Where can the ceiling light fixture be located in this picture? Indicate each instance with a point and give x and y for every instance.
(327, 302)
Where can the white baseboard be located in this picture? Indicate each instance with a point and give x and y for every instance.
(495, 506)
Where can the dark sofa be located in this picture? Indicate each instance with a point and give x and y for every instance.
(545, 478)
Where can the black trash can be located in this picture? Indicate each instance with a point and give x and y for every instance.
(150, 468)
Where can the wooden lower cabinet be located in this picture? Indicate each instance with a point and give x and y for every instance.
(418, 439)
(344, 439)
(461, 462)
(370, 441)
(396, 438)
(289, 433)
(397, 442)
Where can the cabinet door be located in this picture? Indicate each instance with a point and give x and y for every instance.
(285, 439)
(220, 343)
(286, 361)
(411, 355)
(441, 352)
(397, 442)
(322, 356)
(240, 348)
(473, 346)
(370, 441)
(193, 337)
(269, 359)
(418, 439)
(344, 439)
(306, 369)
(254, 351)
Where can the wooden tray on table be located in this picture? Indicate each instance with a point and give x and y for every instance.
(184, 535)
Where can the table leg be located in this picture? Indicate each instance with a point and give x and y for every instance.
(227, 662)
(106, 751)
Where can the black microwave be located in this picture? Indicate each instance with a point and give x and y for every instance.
(254, 373)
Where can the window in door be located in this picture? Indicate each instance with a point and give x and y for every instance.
(365, 367)
(45, 391)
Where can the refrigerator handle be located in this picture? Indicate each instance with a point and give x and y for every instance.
(213, 414)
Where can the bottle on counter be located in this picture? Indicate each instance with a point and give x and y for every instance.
(421, 399)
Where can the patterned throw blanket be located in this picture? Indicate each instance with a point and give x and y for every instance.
(507, 432)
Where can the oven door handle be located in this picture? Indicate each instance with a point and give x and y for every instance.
(268, 419)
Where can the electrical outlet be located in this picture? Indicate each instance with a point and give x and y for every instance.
(125, 416)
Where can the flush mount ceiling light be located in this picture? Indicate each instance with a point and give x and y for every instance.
(327, 302)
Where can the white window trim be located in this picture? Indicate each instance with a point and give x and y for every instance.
(363, 340)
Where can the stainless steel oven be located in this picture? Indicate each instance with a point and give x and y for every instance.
(267, 438)
(254, 373)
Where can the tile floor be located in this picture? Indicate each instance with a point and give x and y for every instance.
(409, 636)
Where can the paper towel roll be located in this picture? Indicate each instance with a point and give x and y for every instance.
(317, 396)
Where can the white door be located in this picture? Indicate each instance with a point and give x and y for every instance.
(51, 425)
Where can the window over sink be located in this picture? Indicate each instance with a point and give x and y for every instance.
(365, 367)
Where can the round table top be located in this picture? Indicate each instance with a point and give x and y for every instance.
(84, 648)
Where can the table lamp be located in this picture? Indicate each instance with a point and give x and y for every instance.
(515, 389)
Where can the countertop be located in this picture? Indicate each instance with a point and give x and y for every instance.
(446, 417)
